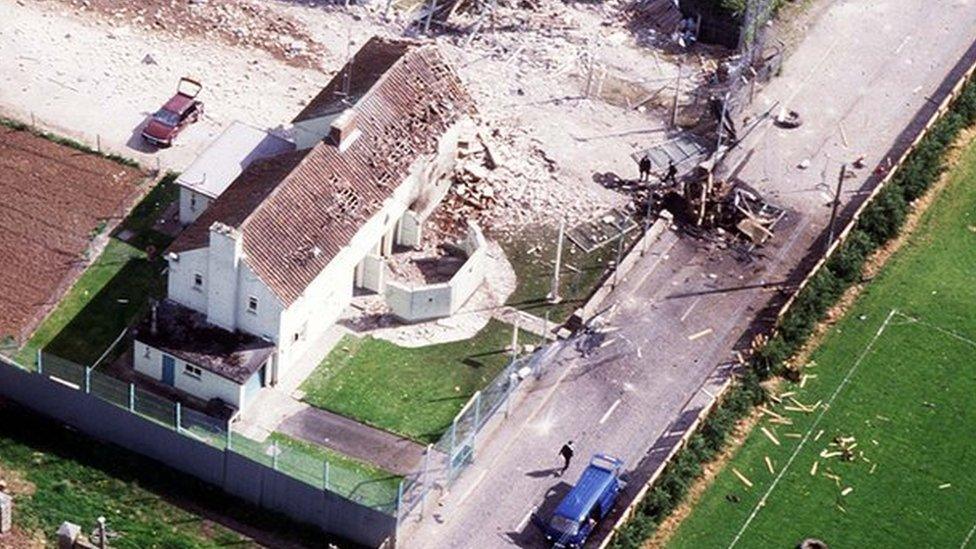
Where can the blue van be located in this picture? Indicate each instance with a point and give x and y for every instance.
(587, 503)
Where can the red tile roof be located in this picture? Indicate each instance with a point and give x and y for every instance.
(297, 211)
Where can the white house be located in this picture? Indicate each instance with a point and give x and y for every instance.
(277, 254)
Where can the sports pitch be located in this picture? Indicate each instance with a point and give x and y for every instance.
(876, 449)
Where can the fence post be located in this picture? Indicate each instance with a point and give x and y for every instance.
(399, 499)
(425, 488)
(274, 455)
(87, 380)
(326, 474)
(132, 397)
(40, 363)
(477, 411)
(450, 456)
(179, 416)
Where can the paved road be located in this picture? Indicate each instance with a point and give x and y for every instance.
(860, 77)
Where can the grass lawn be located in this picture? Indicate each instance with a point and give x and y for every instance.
(905, 399)
(57, 475)
(533, 254)
(412, 391)
(347, 476)
(112, 293)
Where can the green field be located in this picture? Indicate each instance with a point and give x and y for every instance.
(415, 392)
(893, 377)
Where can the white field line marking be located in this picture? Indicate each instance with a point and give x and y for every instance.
(940, 329)
(969, 537)
(688, 312)
(806, 437)
(606, 416)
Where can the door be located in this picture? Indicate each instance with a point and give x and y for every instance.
(169, 370)
(254, 384)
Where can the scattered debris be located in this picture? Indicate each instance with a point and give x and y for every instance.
(770, 435)
(813, 469)
(846, 491)
(700, 334)
(788, 120)
(769, 465)
(742, 477)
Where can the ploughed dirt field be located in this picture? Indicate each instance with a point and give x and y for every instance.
(57, 204)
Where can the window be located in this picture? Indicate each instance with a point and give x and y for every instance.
(197, 281)
(193, 371)
(193, 202)
(252, 305)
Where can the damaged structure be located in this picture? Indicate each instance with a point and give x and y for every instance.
(268, 267)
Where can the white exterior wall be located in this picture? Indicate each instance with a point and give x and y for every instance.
(223, 261)
(312, 314)
(192, 204)
(149, 362)
(309, 132)
(265, 321)
(179, 283)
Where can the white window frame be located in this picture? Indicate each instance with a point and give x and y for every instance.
(190, 370)
(252, 304)
(198, 286)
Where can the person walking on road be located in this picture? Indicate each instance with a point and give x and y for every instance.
(645, 168)
(567, 453)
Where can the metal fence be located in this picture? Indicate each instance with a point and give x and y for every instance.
(448, 457)
(316, 469)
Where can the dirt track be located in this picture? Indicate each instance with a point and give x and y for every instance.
(55, 199)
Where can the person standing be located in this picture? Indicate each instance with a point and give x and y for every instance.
(645, 168)
(567, 453)
(671, 176)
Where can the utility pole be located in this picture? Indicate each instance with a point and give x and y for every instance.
(677, 92)
(833, 209)
(515, 332)
(620, 255)
(553, 296)
(430, 16)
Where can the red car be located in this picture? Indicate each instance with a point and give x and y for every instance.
(182, 109)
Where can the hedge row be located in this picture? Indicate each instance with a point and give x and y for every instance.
(67, 142)
(881, 220)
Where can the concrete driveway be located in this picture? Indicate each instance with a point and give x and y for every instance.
(866, 70)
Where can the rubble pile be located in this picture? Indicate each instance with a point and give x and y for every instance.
(505, 181)
(236, 22)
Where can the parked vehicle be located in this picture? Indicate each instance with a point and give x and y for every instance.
(587, 503)
(181, 109)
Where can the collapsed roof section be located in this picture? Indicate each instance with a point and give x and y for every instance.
(296, 211)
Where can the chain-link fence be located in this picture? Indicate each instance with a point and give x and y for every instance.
(448, 457)
(317, 468)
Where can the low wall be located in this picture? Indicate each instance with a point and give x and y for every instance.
(430, 301)
(235, 474)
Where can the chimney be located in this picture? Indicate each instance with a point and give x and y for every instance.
(153, 324)
(344, 129)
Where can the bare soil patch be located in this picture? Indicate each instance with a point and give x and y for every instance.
(56, 201)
